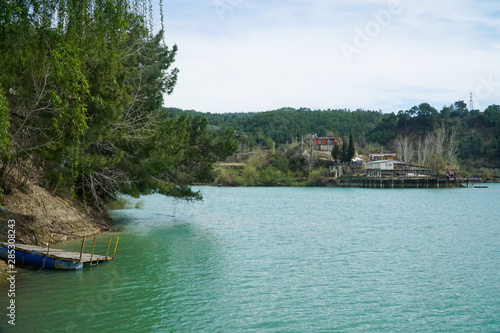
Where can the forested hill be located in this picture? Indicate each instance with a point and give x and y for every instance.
(475, 133)
(287, 124)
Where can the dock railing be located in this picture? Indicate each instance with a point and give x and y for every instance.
(83, 245)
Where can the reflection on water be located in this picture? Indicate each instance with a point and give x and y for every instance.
(284, 259)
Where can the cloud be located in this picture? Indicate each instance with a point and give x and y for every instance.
(264, 55)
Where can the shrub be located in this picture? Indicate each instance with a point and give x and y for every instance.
(270, 176)
(250, 173)
(120, 203)
(315, 177)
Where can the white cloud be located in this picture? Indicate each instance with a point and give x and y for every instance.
(266, 55)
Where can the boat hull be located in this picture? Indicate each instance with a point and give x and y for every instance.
(41, 260)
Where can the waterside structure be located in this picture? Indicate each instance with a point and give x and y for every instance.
(50, 258)
(372, 182)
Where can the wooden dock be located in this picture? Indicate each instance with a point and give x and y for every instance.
(47, 257)
(62, 254)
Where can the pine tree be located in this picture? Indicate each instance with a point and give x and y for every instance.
(85, 82)
(350, 152)
(336, 152)
(345, 151)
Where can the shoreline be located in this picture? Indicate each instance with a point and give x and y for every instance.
(366, 182)
(37, 213)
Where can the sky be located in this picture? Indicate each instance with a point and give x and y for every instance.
(388, 55)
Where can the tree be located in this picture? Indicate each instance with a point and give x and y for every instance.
(459, 109)
(336, 152)
(350, 150)
(403, 146)
(4, 136)
(4, 125)
(310, 158)
(204, 146)
(492, 116)
(438, 149)
(84, 83)
(345, 152)
(424, 148)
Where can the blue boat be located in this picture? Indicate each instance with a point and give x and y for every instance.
(45, 257)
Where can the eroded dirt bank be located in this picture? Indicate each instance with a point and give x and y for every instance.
(37, 213)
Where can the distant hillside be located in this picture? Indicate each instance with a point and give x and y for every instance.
(287, 124)
(476, 133)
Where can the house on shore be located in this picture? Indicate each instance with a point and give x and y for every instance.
(382, 157)
(326, 143)
(385, 166)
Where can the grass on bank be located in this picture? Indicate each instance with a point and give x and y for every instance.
(124, 203)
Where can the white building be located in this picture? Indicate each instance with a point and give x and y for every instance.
(375, 168)
(384, 164)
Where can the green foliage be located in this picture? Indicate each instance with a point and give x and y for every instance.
(4, 125)
(350, 149)
(345, 152)
(224, 178)
(124, 203)
(85, 82)
(260, 171)
(472, 147)
(258, 159)
(3, 276)
(119, 203)
(270, 177)
(242, 181)
(203, 147)
(492, 117)
(336, 152)
(280, 162)
(488, 174)
(373, 130)
(260, 129)
(315, 176)
(250, 174)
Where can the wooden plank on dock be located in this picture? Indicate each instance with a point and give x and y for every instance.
(61, 254)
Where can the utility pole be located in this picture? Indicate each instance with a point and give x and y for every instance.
(471, 104)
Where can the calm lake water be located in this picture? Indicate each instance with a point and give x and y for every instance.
(284, 260)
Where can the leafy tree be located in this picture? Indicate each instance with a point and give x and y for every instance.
(336, 152)
(4, 125)
(84, 83)
(459, 109)
(4, 135)
(492, 116)
(204, 146)
(280, 162)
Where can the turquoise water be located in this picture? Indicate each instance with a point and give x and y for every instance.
(284, 260)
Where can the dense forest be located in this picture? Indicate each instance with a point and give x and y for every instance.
(81, 89)
(472, 135)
